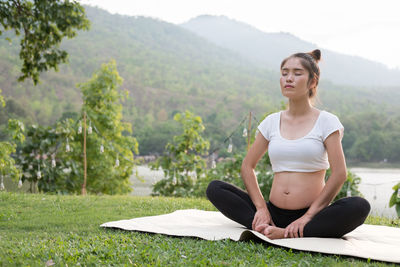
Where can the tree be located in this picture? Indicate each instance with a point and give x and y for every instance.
(110, 147)
(183, 163)
(43, 25)
(47, 164)
(52, 156)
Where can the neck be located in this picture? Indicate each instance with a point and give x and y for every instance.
(299, 106)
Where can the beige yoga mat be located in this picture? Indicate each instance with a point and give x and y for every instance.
(367, 241)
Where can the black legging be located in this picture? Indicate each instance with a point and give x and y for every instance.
(335, 220)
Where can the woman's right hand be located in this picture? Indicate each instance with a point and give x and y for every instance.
(262, 219)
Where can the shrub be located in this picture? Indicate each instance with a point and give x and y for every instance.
(182, 164)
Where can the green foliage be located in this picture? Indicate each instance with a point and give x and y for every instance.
(46, 162)
(102, 104)
(2, 102)
(7, 163)
(183, 163)
(43, 25)
(371, 137)
(16, 130)
(52, 157)
(350, 186)
(395, 199)
(229, 170)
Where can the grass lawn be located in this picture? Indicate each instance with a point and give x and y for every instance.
(36, 229)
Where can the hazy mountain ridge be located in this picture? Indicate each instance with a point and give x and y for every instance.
(151, 55)
(168, 68)
(268, 50)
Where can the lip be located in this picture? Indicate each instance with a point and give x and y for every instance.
(289, 86)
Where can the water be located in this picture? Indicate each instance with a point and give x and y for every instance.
(142, 183)
(376, 186)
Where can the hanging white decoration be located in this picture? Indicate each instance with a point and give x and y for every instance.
(80, 127)
(90, 130)
(230, 146)
(213, 163)
(39, 173)
(101, 148)
(19, 183)
(30, 167)
(67, 147)
(2, 187)
(53, 160)
(244, 132)
(117, 162)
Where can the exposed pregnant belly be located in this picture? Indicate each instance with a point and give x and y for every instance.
(296, 190)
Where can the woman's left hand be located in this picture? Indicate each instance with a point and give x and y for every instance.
(295, 229)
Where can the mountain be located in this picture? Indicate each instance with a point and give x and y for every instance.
(164, 66)
(268, 50)
(168, 69)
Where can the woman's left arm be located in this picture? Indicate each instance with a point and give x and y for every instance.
(335, 182)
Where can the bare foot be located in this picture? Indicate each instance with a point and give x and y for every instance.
(273, 232)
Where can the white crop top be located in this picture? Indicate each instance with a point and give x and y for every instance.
(305, 154)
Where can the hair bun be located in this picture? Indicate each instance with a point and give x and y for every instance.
(316, 54)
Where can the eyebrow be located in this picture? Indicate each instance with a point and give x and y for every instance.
(296, 69)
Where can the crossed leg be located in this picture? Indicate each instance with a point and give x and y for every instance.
(335, 220)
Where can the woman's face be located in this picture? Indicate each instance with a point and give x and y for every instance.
(294, 79)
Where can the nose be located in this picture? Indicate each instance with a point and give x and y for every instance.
(289, 77)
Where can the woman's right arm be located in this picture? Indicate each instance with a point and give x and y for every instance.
(262, 217)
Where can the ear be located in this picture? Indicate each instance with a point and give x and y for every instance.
(312, 83)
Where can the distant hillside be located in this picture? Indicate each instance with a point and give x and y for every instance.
(268, 50)
(164, 67)
(168, 69)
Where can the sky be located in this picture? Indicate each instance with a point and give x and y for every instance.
(366, 28)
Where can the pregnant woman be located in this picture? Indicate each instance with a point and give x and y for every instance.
(302, 143)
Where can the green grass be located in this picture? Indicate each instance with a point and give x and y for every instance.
(36, 228)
